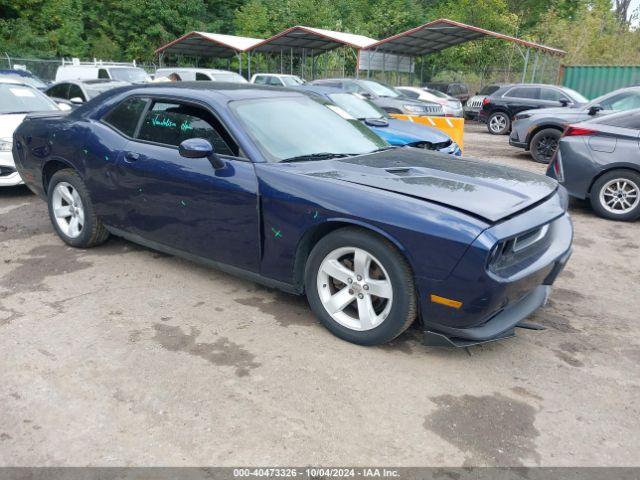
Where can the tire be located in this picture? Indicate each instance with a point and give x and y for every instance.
(385, 316)
(616, 195)
(69, 203)
(499, 123)
(544, 144)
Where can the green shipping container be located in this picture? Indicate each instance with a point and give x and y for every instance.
(595, 80)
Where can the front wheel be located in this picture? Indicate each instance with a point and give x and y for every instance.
(544, 144)
(360, 287)
(616, 195)
(71, 211)
(499, 123)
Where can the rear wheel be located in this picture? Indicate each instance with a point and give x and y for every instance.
(499, 123)
(616, 195)
(360, 287)
(544, 144)
(71, 211)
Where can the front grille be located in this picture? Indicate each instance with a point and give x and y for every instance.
(432, 146)
(434, 110)
(6, 171)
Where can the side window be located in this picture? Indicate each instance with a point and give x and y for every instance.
(260, 80)
(59, 91)
(102, 73)
(76, 92)
(172, 123)
(275, 82)
(202, 76)
(353, 87)
(410, 93)
(630, 120)
(523, 92)
(622, 101)
(552, 95)
(463, 89)
(125, 116)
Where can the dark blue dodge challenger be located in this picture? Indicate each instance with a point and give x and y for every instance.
(272, 185)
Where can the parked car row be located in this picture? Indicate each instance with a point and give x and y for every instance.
(592, 147)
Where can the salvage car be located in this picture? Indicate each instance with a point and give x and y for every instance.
(387, 98)
(394, 131)
(16, 101)
(599, 160)
(270, 184)
(538, 131)
(499, 108)
(474, 104)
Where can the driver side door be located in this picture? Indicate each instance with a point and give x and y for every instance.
(186, 203)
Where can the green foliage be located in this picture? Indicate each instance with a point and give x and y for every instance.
(126, 29)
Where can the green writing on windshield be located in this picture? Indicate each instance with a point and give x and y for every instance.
(186, 126)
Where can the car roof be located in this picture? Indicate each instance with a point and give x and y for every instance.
(277, 74)
(11, 71)
(11, 81)
(229, 90)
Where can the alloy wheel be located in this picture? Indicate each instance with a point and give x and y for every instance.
(546, 147)
(498, 123)
(68, 209)
(354, 288)
(619, 196)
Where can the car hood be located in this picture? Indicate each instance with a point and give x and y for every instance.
(402, 132)
(489, 191)
(8, 123)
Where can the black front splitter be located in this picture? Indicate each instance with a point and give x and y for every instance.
(435, 339)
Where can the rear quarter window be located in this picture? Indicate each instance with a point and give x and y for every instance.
(125, 116)
(628, 120)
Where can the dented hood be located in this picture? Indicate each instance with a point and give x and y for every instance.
(485, 190)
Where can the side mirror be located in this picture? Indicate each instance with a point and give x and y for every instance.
(76, 100)
(200, 148)
(593, 109)
(564, 102)
(366, 95)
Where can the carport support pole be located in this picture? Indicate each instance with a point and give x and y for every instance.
(313, 66)
(239, 55)
(249, 65)
(535, 67)
(291, 60)
(526, 64)
(281, 64)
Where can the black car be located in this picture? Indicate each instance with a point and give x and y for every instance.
(599, 160)
(387, 98)
(80, 91)
(456, 90)
(499, 108)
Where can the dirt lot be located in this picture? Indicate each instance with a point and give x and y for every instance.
(122, 356)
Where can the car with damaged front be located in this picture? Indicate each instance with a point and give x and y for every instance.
(271, 185)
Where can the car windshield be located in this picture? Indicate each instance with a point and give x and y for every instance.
(133, 74)
(356, 106)
(26, 79)
(95, 89)
(296, 128)
(292, 81)
(488, 89)
(229, 77)
(380, 89)
(21, 99)
(576, 96)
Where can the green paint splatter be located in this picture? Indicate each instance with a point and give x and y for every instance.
(85, 151)
(106, 157)
(276, 233)
(315, 215)
(183, 203)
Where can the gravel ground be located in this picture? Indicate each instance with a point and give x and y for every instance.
(123, 356)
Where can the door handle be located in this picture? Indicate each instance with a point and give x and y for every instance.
(131, 156)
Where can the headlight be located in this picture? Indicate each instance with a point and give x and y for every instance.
(415, 109)
(6, 144)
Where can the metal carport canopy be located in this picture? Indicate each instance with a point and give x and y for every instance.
(203, 44)
(444, 33)
(301, 39)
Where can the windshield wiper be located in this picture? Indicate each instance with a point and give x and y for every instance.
(383, 149)
(316, 156)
